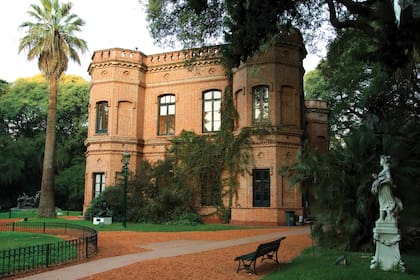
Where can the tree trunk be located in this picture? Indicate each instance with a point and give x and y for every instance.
(47, 200)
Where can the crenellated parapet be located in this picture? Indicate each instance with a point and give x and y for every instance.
(157, 62)
(205, 55)
(117, 56)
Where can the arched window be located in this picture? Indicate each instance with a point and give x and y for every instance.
(211, 110)
(102, 117)
(260, 104)
(166, 125)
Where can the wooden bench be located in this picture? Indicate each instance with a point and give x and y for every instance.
(265, 250)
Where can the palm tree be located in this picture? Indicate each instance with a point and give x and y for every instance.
(51, 39)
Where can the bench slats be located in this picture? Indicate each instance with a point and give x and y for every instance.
(265, 250)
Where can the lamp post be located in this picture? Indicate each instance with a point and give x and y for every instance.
(125, 161)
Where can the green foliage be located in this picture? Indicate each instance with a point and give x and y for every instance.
(101, 205)
(244, 25)
(185, 21)
(234, 149)
(3, 87)
(347, 80)
(50, 37)
(70, 185)
(198, 162)
(187, 219)
(340, 183)
(22, 136)
(157, 195)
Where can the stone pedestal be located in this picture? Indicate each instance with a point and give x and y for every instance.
(102, 220)
(387, 238)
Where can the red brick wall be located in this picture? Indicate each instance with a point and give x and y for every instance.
(131, 82)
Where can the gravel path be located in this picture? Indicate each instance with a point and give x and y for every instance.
(180, 255)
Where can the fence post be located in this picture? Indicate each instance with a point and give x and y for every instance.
(13, 226)
(44, 227)
(47, 256)
(86, 247)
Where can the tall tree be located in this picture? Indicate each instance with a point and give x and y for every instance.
(51, 39)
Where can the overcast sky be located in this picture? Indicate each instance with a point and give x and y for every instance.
(109, 24)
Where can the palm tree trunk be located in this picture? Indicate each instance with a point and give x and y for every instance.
(47, 201)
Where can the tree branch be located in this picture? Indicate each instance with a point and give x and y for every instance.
(360, 23)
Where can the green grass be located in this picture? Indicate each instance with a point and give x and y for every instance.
(29, 213)
(320, 264)
(12, 240)
(24, 251)
(117, 226)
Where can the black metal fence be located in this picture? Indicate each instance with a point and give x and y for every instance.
(82, 242)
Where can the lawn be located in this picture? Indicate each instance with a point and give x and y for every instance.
(31, 216)
(117, 226)
(320, 264)
(21, 251)
(12, 240)
(32, 213)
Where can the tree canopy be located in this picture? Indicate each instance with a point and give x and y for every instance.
(23, 108)
(358, 88)
(246, 25)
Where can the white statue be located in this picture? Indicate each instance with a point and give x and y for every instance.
(389, 205)
(386, 234)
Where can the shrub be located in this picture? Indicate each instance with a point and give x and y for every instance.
(157, 196)
(187, 218)
(108, 203)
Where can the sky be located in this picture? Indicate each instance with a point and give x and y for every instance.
(109, 24)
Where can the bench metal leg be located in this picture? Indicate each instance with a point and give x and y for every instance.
(242, 264)
(272, 257)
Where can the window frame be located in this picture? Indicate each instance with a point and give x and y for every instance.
(98, 187)
(168, 118)
(214, 114)
(261, 187)
(102, 117)
(262, 105)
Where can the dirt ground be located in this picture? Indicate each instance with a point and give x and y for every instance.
(214, 264)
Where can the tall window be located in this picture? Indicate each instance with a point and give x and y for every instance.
(260, 104)
(98, 183)
(261, 187)
(166, 115)
(102, 117)
(211, 110)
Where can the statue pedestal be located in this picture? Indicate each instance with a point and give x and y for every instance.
(387, 238)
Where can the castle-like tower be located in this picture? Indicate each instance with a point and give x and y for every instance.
(139, 102)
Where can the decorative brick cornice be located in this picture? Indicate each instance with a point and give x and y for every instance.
(157, 62)
(112, 140)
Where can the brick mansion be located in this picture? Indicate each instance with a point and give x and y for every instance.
(138, 102)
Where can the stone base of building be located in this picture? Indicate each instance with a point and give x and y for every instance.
(263, 216)
(387, 255)
(209, 215)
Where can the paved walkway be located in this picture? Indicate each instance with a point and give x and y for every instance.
(158, 250)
